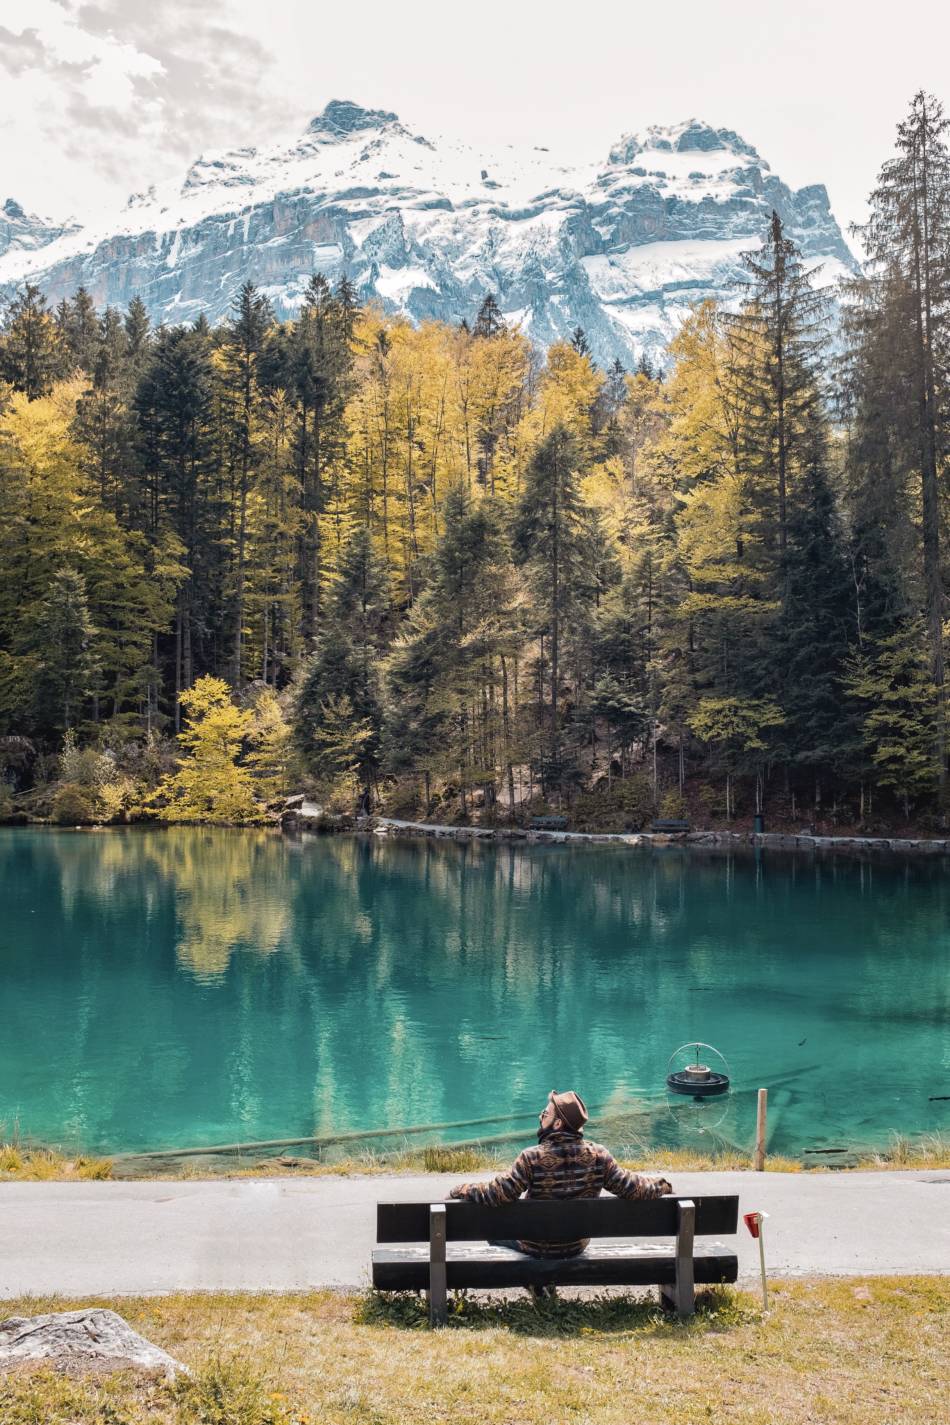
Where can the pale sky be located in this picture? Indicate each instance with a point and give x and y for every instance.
(100, 98)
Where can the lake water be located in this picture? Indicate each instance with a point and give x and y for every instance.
(183, 987)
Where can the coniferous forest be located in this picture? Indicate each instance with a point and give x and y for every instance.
(435, 570)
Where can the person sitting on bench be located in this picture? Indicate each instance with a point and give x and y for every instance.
(563, 1165)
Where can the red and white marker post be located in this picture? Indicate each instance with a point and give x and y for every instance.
(754, 1220)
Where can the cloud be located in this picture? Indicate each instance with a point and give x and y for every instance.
(20, 52)
(103, 95)
(211, 79)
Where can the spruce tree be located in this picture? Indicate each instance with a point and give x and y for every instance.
(62, 648)
(346, 666)
(777, 339)
(489, 322)
(815, 631)
(241, 351)
(553, 541)
(174, 407)
(905, 300)
(32, 350)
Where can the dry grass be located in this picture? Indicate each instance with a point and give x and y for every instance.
(928, 1152)
(25, 1164)
(839, 1352)
(22, 1163)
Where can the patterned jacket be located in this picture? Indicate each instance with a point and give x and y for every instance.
(564, 1165)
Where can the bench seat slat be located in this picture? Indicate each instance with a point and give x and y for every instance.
(606, 1264)
(556, 1220)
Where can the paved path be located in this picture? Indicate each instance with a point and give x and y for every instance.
(290, 1234)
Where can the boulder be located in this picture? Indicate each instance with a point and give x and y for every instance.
(92, 1340)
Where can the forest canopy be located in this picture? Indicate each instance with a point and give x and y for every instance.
(431, 567)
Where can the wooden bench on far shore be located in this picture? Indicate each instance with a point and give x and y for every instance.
(435, 1264)
(548, 823)
(670, 828)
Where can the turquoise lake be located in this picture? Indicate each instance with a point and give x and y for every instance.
(182, 987)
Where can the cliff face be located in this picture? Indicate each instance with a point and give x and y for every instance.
(22, 232)
(621, 247)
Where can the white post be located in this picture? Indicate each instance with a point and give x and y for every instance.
(758, 1161)
(765, 1285)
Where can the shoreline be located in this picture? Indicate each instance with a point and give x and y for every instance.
(293, 822)
(643, 840)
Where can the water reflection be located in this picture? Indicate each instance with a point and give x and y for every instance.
(184, 986)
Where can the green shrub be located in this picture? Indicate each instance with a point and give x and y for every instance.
(84, 766)
(674, 806)
(74, 805)
(712, 799)
(627, 805)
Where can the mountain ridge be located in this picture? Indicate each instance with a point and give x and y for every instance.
(621, 247)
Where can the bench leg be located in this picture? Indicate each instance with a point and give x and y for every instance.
(438, 1293)
(685, 1290)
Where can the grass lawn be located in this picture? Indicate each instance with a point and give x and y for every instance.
(829, 1351)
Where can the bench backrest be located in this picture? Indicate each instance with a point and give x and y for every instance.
(555, 1220)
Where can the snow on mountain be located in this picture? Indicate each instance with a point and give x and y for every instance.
(622, 248)
(24, 232)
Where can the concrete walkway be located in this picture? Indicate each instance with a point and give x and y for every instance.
(109, 1238)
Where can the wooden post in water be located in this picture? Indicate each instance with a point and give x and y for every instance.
(758, 1161)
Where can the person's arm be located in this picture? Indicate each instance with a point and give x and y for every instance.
(624, 1184)
(504, 1188)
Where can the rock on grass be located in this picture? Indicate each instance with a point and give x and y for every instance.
(92, 1340)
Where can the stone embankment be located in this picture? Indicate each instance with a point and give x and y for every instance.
(773, 840)
(303, 814)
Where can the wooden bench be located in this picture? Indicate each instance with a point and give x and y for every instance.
(548, 823)
(435, 1266)
(670, 828)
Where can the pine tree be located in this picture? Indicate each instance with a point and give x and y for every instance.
(815, 631)
(553, 541)
(32, 351)
(137, 335)
(777, 342)
(449, 675)
(906, 301)
(900, 706)
(241, 351)
(174, 407)
(489, 322)
(346, 665)
(320, 362)
(64, 666)
(78, 324)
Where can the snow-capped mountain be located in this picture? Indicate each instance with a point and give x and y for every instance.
(22, 232)
(620, 247)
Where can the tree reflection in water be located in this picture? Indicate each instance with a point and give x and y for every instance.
(185, 986)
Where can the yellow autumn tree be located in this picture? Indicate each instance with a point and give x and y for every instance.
(211, 784)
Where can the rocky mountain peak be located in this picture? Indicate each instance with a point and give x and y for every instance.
(623, 248)
(342, 117)
(691, 136)
(24, 232)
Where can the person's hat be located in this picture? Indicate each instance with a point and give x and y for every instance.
(570, 1109)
